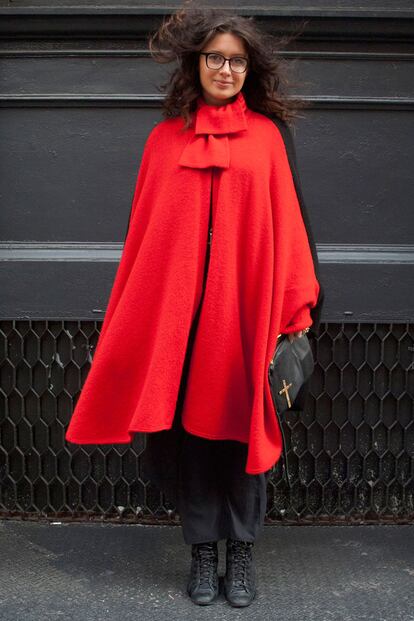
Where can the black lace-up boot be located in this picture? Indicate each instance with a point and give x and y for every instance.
(203, 585)
(240, 577)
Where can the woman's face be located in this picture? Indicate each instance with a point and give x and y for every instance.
(214, 92)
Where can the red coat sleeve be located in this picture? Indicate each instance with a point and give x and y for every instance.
(294, 242)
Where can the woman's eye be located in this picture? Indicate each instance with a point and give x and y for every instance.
(238, 61)
(215, 57)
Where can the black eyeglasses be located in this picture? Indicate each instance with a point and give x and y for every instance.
(238, 64)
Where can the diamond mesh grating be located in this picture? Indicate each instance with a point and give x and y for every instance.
(351, 454)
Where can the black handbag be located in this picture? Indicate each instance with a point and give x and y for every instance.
(289, 372)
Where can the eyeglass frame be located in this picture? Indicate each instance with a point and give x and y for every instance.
(224, 62)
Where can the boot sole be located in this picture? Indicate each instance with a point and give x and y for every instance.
(216, 594)
(235, 604)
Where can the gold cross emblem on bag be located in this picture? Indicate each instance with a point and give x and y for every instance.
(285, 390)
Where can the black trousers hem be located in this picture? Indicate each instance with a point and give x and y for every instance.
(217, 499)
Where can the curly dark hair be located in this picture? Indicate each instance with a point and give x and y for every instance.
(183, 35)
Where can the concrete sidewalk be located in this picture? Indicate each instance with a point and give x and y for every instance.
(94, 572)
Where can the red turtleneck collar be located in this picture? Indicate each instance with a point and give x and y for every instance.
(209, 144)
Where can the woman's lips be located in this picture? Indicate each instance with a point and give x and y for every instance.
(222, 83)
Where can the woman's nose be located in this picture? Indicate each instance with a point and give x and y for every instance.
(224, 68)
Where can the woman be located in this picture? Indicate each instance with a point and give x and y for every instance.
(218, 260)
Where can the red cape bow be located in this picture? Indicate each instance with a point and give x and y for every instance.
(209, 146)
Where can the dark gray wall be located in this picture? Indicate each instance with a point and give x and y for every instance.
(79, 96)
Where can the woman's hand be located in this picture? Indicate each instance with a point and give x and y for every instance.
(299, 333)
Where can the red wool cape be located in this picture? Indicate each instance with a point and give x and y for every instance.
(261, 281)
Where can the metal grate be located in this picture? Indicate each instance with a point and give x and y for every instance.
(351, 454)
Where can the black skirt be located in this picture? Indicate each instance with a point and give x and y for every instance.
(217, 499)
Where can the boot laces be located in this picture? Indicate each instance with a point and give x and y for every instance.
(240, 551)
(206, 556)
